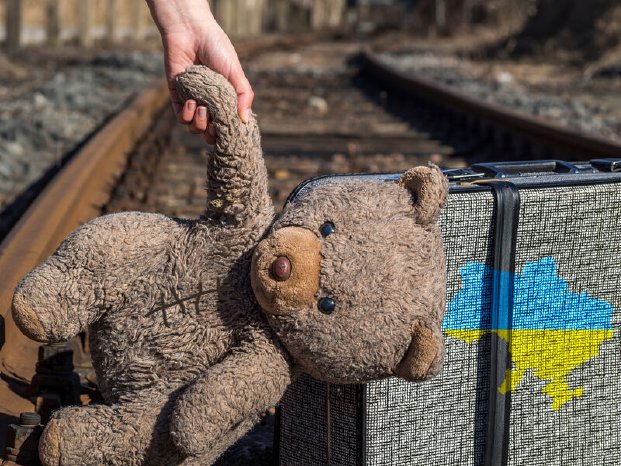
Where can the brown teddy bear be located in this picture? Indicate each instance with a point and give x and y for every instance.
(350, 280)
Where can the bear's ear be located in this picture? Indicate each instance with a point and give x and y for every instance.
(430, 189)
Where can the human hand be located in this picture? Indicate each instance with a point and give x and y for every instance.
(191, 36)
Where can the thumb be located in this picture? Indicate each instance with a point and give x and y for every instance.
(245, 94)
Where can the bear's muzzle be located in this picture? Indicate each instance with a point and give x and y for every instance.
(285, 270)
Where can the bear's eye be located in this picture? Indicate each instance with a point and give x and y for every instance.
(326, 305)
(327, 229)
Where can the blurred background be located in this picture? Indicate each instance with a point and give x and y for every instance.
(575, 29)
(66, 65)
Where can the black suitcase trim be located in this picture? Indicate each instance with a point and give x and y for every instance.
(507, 198)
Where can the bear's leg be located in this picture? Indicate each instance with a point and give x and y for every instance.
(423, 359)
(220, 406)
(132, 433)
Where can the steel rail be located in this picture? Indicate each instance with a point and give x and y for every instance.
(565, 140)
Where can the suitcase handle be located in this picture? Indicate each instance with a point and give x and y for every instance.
(607, 165)
(527, 168)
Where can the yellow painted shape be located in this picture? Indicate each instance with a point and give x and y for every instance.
(550, 354)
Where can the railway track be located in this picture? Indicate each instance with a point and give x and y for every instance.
(319, 113)
(514, 134)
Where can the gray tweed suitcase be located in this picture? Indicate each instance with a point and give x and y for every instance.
(532, 374)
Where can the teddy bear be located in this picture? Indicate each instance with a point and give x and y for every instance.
(198, 326)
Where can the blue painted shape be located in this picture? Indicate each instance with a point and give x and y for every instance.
(542, 301)
(471, 307)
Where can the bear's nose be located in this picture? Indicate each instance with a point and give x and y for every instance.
(281, 268)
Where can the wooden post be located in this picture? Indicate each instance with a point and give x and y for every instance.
(137, 24)
(52, 22)
(267, 15)
(257, 21)
(466, 14)
(245, 15)
(281, 20)
(85, 22)
(13, 25)
(226, 10)
(112, 21)
(299, 17)
(335, 13)
(235, 10)
(440, 14)
(317, 12)
(239, 14)
(253, 14)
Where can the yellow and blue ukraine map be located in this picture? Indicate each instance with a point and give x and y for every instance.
(552, 331)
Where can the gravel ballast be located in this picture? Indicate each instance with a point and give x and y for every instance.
(39, 126)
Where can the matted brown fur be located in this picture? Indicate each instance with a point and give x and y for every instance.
(186, 359)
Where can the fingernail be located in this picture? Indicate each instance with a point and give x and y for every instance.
(191, 106)
(212, 131)
(247, 115)
(202, 112)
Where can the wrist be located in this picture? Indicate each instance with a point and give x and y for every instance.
(173, 17)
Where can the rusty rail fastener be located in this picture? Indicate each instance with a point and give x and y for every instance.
(22, 446)
(55, 384)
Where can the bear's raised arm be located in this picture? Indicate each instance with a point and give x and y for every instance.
(236, 175)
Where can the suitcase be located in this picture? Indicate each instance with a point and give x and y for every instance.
(532, 374)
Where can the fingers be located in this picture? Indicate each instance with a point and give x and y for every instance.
(197, 119)
(187, 112)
